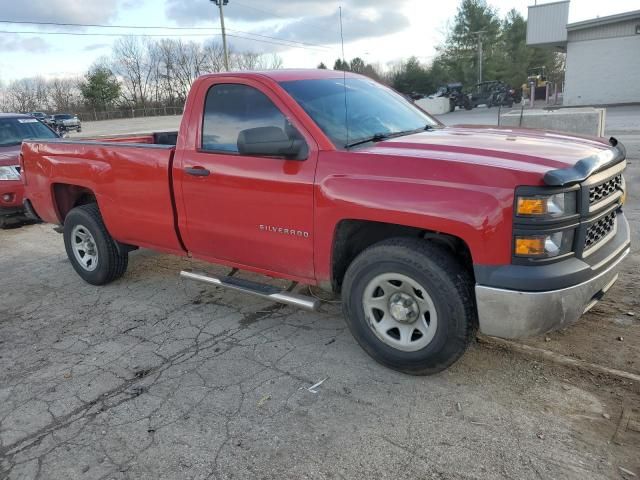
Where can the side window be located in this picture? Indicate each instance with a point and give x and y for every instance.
(232, 109)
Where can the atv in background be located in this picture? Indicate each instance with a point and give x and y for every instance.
(502, 95)
(457, 98)
(492, 93)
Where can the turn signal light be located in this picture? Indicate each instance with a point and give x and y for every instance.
(530, 246)
(532, 206)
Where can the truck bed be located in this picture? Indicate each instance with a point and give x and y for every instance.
(155, 138)
(129, 176)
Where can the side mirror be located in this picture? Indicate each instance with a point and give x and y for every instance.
(271, 142)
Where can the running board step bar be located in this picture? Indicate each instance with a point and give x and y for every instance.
(258, 289)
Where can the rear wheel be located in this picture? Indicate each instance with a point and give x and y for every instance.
(410, 305)
(91, 250)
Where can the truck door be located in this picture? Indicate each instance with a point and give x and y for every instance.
(245, 209)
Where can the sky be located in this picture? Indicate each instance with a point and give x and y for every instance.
(379, 31)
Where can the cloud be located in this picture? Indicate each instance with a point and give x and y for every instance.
(308, 21)
(66, 11)
(357, 25)
(197, 11)
(15, 43)
(96, 46)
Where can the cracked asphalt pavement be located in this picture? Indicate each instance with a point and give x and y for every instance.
(153, 377)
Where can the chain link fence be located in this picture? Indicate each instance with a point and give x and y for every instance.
(130, 113)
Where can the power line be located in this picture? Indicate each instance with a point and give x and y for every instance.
(90, 34)
(101, 25)
(151, 27)
(308, 44)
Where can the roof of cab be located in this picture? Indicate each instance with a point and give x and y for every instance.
(285, 75)
(14, 115)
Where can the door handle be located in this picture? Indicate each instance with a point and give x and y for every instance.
(197, 171)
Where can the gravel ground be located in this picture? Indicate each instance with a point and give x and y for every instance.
(155, 378)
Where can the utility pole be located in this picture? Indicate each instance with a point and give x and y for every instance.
(480, 57)
(220, 4)
(480, 53)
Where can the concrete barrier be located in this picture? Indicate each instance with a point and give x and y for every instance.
(584, 121)
(435, 106)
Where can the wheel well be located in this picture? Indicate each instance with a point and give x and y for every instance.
(354, 236)
(70, 196)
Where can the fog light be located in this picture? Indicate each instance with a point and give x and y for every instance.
(530, 246)
(7, 197)
(544, 246)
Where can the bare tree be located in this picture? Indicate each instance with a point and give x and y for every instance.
(255, 61)
(189, 65)
(64, 94)
(131, 63)
(23, 95)
(214, 57)
(151, 74)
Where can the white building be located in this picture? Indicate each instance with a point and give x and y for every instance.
(603, 54)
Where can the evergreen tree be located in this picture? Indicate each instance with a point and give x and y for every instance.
(100, 88)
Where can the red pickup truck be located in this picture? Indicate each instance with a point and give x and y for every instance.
(14, 128)
(428, 232)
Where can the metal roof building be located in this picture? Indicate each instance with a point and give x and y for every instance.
(603, 54)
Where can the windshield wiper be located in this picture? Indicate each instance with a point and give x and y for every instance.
(378, 137)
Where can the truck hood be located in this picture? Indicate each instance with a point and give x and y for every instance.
(9, 156)
(536, 151)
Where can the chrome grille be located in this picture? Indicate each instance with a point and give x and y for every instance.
(602, 191)
(598, 230)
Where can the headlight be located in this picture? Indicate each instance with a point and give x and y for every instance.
(544, 246)
(557, 205)
(9, 173)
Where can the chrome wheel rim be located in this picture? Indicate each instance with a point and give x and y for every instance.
(400, 311)
(84, 248)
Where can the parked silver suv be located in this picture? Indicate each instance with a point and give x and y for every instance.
(66, 121)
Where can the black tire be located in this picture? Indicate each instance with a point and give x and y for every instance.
(468, 106)
(452, 105)
(111, 264)
(444, 279)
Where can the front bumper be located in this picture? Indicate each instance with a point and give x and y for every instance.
(510, 313)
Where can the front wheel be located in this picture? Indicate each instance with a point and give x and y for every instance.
(91, 250)
(409, 303)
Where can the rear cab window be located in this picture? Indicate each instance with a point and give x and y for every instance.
(231, 108)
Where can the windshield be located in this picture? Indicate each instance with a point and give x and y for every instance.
(14, 130)
(374, 110)
(63, 117)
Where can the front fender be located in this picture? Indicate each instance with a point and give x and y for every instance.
(477, 214)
